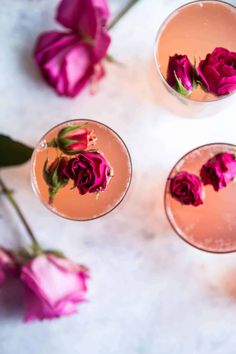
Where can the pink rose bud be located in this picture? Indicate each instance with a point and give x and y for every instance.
(180, 74)
(68, 61)
(90, 172)
(53, 287)
(8, 265)
(187, 189)
(217, 72)
(74, 139)
(55, 176)
(219, 171)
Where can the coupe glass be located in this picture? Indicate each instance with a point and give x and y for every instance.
(212, 225)
(194, 29)
(68, 202)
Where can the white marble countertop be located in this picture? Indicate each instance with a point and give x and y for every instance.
(150, 293)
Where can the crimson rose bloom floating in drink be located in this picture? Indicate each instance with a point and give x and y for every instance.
(69, 60)
(90, 172)
(187, 188)
(54, 286)
(219, 171)
(217, 71)
(180, 74)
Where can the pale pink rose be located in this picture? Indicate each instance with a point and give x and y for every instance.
(53, 287)
(8, 265)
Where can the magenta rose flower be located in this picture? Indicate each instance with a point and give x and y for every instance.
(53, 287)
(217, 71)
(55, 176)
(219, 171)
(72, 139)
(187, 189)
(180, 74)
(68, 61)
(8, 265)
(90, 172)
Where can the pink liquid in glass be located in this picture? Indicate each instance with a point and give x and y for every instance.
(211, 226)
(68, 202)
(196, 29)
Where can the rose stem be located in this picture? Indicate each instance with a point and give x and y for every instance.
(11, 199)
(122, 13)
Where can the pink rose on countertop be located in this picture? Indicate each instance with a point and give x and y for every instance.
(53, 287)
(69, 60)
(90, 172)
(187, 189)
(218, 71)
(180, 74)
(8, 265)
(72, 139)
(219, 171)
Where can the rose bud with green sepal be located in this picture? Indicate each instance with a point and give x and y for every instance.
(181, 74)
(55, 176)
(73, 139)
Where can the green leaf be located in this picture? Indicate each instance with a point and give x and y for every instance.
(180, 88)
(13, 152)
(69, 129)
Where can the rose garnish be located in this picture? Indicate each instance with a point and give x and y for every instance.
(217, 72)
(180, 74)
(73, 139)
(90, 172)
(187, 189)
(55, 176)
(219, 171)
(54, 286)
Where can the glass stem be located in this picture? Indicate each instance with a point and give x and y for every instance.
(9, 195)
(117, 18)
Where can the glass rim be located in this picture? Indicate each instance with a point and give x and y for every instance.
(34, 187)
(166, 191)
(155, 47)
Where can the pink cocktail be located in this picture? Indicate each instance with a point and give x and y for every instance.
(68, 202)
(195, 29)
(212, 225)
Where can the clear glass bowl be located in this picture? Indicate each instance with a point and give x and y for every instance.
(68, 202)
(211, 226)
(194, 29)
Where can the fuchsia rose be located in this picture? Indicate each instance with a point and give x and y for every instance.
(69, 60)
(180, 74)
(187, 189)
(72, 139)
(8, 265)
(217, 71)
(90, 172)
(219, 171)
(53, 287)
